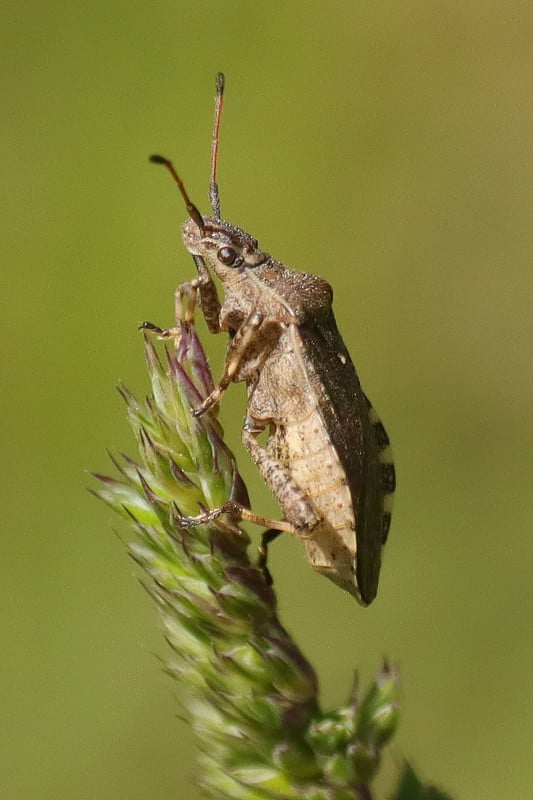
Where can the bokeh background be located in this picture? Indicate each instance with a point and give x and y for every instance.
(387, 147)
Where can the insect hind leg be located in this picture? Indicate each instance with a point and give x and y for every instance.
(289, 495)
(268, 536)
(238, 513)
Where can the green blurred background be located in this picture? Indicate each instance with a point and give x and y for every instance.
(387, 147)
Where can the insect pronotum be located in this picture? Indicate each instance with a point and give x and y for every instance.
(327, 458)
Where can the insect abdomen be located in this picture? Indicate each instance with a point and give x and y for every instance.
(308, 453)
(359, 439)
(386, 468)
(334, 448)
(313, 464)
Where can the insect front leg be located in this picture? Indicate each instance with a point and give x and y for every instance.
(202, 286)
(236, 351)
(209, 302)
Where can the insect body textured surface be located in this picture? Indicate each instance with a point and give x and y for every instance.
(327, 457)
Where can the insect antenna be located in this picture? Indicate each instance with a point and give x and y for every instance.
(214, 196)
(191, 208)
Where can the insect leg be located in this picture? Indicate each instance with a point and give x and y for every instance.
(236, 350)
(203, 284)
(282, 485)
(267, 537)
(237, 512)
(209, 302)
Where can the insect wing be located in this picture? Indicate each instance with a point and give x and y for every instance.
(349, 420)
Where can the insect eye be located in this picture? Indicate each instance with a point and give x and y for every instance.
(227, 256)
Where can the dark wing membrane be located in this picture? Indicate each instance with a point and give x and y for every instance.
(346, 413)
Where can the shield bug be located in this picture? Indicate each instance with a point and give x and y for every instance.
(327, 457)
